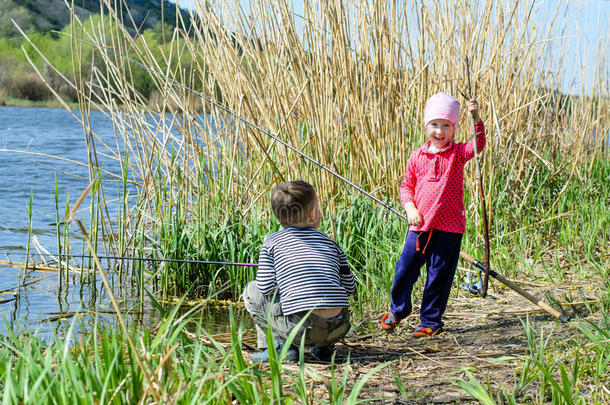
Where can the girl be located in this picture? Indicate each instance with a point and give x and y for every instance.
(432, 193)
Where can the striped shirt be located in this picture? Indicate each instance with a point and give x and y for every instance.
(307, 268)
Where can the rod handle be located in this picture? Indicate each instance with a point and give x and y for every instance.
(552, 311)
(467, 257)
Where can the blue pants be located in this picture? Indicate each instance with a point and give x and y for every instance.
(440, 251)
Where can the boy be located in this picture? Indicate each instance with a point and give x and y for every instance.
(300, 270)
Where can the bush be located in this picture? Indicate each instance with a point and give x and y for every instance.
(7, 64)
(29, 87)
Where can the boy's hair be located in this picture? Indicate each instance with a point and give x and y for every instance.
(291, 201)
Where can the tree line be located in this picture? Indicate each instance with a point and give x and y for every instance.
(67, 54)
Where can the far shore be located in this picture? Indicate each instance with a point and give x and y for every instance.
(16, 102)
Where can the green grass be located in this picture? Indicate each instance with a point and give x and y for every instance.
(99, 367)
(554, 370)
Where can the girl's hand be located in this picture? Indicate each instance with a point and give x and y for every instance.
(413, 214)
(473, 109)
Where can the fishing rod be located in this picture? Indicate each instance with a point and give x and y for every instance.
(303, 155)
(540, 303)
(144, 259)
(243, 119)
(485, 281)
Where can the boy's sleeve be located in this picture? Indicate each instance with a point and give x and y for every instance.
(479, 129)
(345, 274)
(407, 187)
(265, 276)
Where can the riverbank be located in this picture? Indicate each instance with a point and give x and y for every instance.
(15, 102)
(197, 107)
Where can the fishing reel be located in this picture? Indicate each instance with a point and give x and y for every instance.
(472, 285)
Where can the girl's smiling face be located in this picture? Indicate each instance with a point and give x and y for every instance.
(440, 132)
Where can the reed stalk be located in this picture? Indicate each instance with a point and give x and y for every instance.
(27, 247)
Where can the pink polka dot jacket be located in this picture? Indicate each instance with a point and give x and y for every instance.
(434, 182)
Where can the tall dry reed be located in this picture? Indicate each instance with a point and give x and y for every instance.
(346, 83)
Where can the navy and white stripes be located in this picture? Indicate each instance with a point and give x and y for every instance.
(309, 270)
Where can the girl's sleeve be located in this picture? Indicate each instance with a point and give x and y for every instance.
(407, 187)
(265, 276)
(479, 129)
(346, 276)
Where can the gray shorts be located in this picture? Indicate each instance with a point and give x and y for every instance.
(267, 311)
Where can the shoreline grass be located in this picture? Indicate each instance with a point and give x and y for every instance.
(187, 364)
(183, 362)
(16, 102)
(569, 372)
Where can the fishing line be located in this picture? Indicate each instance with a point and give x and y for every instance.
(130, 258)
(153, 259)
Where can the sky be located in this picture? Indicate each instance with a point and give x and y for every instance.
(588, 23)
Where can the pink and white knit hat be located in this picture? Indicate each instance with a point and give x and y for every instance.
(442, 106)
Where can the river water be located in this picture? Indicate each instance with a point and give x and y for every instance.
(28, 137)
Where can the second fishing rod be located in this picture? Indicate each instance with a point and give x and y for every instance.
(105, 48)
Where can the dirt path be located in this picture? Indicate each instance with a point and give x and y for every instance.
(493, 349)
(483, 336)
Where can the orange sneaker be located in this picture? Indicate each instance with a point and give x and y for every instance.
(387, 324)
(426, 332)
